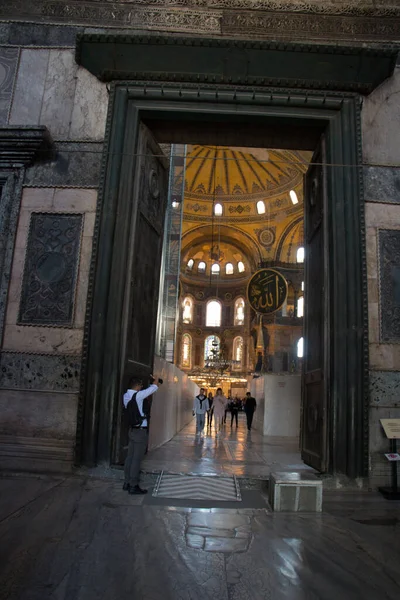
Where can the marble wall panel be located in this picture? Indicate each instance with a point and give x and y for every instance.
(27, 338)
(389, 284)
(59, 92)
(8, 67)
(10, 201)
(382, 184)
(384, 388)
(29, 88)
(37, 338)
(51, 265)
(38, 414)
(38, 34)
(90, 108)
(75, 164)
(29, 371)
(380, 119)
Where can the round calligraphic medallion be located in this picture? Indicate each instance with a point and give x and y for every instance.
(267, 291)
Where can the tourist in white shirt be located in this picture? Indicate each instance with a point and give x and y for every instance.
(138, 435)
(200, 407)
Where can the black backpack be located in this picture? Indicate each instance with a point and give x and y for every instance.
(134, 417)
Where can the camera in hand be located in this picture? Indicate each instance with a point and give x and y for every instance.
(160, 381)
(152, 380)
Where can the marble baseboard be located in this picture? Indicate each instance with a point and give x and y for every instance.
(47, 415)
(33, 454)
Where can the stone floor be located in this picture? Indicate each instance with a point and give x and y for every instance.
(234, 451)
(83, 538)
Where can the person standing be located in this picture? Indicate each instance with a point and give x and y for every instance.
(200, 407)
(139, 416)
(249, 408)
(235, 410)
(219, 404)
(210, 410)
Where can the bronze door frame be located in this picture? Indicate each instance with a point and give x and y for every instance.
(335, 113)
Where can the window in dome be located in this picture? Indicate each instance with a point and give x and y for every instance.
(215, 269)
(218, 210)
(300, 348)
(229, 269)
(187, 315)
(241, 267)
(300, 255)
(213, 314)
(186, 351)
(238, 352)
(211, 346)
(239, 312)
(300, 307)
(293, 197)
(261, 207)
(190, 263)
(202, 267)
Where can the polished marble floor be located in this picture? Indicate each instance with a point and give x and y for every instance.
(82, 538)
(234, 451)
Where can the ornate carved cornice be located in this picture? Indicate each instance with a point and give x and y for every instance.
(277, 19)
(21, 146)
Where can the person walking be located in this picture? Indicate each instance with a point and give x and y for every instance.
(249, 408)
(210, 410)
(200, 407)
(227, 406)
(235, 410)
(138, 412)
(219, 404)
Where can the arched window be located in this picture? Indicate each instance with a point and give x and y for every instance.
(239, 312)
(293, 197)
(218, 209)
(237, 353)
(240, 267)
(212, 346)
(186, 351)
(300, 255)
(261, 207)
(213, 314)
(229, 269)
(202, 267)
(215, 269)
(300, 307)
(300, 348)
(190, 263)
(187, 315)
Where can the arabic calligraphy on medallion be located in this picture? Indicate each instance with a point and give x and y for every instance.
(267, 291)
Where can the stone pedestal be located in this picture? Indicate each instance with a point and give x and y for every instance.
(295, 492)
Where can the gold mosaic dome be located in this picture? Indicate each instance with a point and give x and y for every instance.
(240, 177)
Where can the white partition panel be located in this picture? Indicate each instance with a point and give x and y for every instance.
(172, 404)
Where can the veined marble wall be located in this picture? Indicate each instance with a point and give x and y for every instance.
(48, 280)
(381, 154)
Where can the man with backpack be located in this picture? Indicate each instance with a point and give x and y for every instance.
(200, 407)
(137, 405)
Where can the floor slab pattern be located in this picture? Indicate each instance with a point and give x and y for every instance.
(86, 539)
(192, 487)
